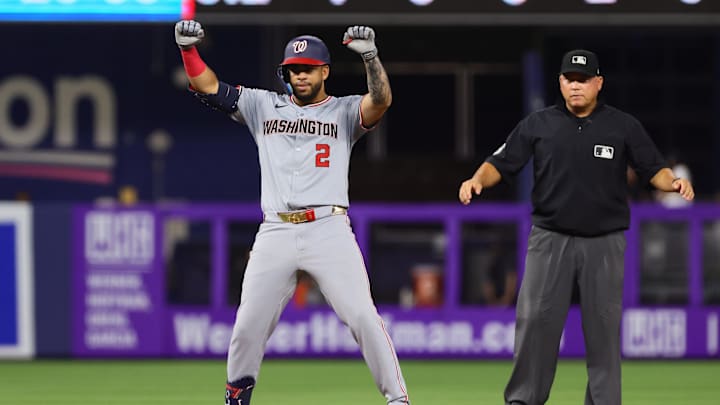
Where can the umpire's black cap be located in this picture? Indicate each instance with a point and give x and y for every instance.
(580, 61)
(306, 50)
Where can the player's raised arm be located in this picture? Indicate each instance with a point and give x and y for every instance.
(189, 33)
(361, 39)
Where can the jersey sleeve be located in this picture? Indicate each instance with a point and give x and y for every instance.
(354, 117)
(643, 155)
(250, 105)
(512, 155)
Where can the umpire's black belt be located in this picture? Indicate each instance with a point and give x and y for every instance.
(305, 215)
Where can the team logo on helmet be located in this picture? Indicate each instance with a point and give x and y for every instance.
(300, 46)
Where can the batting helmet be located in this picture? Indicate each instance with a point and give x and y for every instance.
(306, 50)
(302, 50)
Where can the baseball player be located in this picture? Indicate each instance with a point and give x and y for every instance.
(580, 148)
(304, 140)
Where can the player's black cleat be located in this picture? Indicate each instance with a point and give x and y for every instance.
(238, 392)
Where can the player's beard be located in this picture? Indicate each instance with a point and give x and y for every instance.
(310, 95)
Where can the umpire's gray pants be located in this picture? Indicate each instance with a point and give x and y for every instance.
(555, 262)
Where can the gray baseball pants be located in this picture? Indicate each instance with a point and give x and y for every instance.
(554, 263)
(326, 249)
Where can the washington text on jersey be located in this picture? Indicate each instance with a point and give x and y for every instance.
(300, 126)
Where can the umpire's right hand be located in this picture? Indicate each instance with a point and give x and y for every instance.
(188, 33)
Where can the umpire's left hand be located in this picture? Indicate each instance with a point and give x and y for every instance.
(685, 189)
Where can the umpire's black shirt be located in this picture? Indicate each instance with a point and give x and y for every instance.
(580, 166)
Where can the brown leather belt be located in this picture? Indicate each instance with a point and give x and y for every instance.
(306, 215)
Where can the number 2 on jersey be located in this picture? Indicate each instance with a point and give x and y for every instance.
(322, 159)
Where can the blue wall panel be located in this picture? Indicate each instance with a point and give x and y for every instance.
(8, 283)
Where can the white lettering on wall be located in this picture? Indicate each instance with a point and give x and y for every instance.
(69, 92)
(654, 333)
(111, 339)
(328, 334)
(119, 237)
(324, 333)
(30, 91)
(195, 334)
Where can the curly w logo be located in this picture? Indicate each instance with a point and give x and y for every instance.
(299, 46)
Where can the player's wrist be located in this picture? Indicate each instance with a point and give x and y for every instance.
(369, 55)
(193, 63)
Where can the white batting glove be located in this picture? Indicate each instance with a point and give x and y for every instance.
(361, 39)
(188, 33)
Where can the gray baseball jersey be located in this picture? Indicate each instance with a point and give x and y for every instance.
(304, 152)
(304, 155)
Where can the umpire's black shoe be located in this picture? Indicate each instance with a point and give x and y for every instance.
(239, 392)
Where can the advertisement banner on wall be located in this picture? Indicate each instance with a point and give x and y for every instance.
(118, 299)
(457, 333)
(17, 317)
(120, 309)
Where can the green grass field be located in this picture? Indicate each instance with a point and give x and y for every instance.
(305, 382)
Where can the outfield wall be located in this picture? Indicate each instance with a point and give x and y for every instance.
(119, 305)
(101, 282)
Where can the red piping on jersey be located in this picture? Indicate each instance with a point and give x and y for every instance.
(319, 103)
(362, 123)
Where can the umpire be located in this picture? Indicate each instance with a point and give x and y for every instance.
(581, 148)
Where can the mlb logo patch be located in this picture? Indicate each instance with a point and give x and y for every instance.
(604, 151)
(579, 60)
